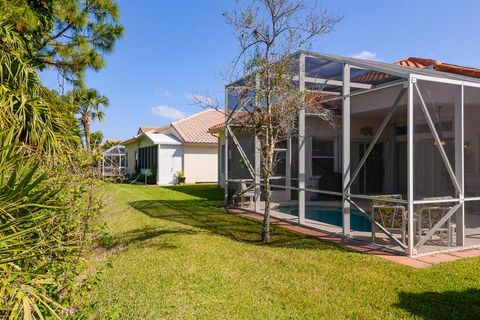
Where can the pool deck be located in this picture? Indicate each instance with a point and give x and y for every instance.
(417, 262)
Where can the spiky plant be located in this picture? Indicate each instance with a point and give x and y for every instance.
(45, 200)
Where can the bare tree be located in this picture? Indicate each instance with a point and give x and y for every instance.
(268, 100)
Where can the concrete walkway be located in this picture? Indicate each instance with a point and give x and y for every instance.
(420, 262)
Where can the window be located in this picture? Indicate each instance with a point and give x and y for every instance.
(323, 156)
(280, 164)
(280, 159)
(147, 157)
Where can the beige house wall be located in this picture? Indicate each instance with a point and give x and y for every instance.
(201, 163)
(133, 147)
(221, 175)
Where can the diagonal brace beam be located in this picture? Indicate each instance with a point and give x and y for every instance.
(242, 153)
(440, 223)
(451, 173)
(389, 234)
(237, 108)
(376, 137)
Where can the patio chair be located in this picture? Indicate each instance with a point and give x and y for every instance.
(243, 192)
(392, 216)
(429, 216)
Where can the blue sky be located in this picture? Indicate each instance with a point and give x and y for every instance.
(173, 49)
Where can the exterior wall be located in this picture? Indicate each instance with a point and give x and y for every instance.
(472, 145)
(201, 163)
(170, 161)
(130, 148)
(314, 127)
(221, 161)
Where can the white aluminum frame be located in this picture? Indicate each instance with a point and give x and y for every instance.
(408, 79)
(113, 170)
(346, 151)
(301, 145)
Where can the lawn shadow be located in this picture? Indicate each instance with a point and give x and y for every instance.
(141, 236)
(204, 214)
(442, 305)
(210, 192)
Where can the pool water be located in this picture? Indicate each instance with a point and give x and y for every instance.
(330, 215)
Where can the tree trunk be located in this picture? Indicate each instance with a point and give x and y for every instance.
(86, 131)
(267, 173)
(266, 214)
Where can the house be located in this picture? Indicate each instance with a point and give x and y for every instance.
(399, 166)
(184, 145)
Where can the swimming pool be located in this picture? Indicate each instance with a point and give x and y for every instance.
(330, 215)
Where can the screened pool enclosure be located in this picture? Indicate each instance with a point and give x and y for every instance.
(399, 167)
(114, 162)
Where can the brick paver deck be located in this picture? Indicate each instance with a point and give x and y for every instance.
(419, 262)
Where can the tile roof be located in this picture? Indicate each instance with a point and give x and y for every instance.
(116, 141)
(440, 66)
(314, 100)
(194, 129)
(145, 129)
(239, 116)
(216, 127)
(374, 77)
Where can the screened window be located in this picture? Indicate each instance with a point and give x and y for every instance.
(323, 156)
(147, 157)
(280, 164)
(280, 159)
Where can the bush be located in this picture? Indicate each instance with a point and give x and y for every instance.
(47, 192)
(47, 220)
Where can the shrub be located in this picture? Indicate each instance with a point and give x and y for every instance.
(47, 192)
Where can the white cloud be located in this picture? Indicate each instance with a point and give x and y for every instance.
(199, 99)
(368, 55)
(168, 112)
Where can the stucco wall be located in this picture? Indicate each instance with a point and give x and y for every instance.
(201, 163)
(130, 148)
(221, 173)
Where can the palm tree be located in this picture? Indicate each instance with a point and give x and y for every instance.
(90, 106)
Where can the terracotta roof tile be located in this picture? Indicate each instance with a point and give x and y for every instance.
(374, 77)
(315, 100)
(145, 129)
(440, 66)
(195, 128)
(113, 141)
(216, 127)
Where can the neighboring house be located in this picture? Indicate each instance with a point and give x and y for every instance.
(184, 145)
(411, 178)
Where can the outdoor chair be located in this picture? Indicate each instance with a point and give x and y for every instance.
(244, 192)
(429, 216)
(390, 215)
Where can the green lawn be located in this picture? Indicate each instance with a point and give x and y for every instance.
(178, 256)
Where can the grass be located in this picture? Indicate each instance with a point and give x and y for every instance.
(177, 255)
